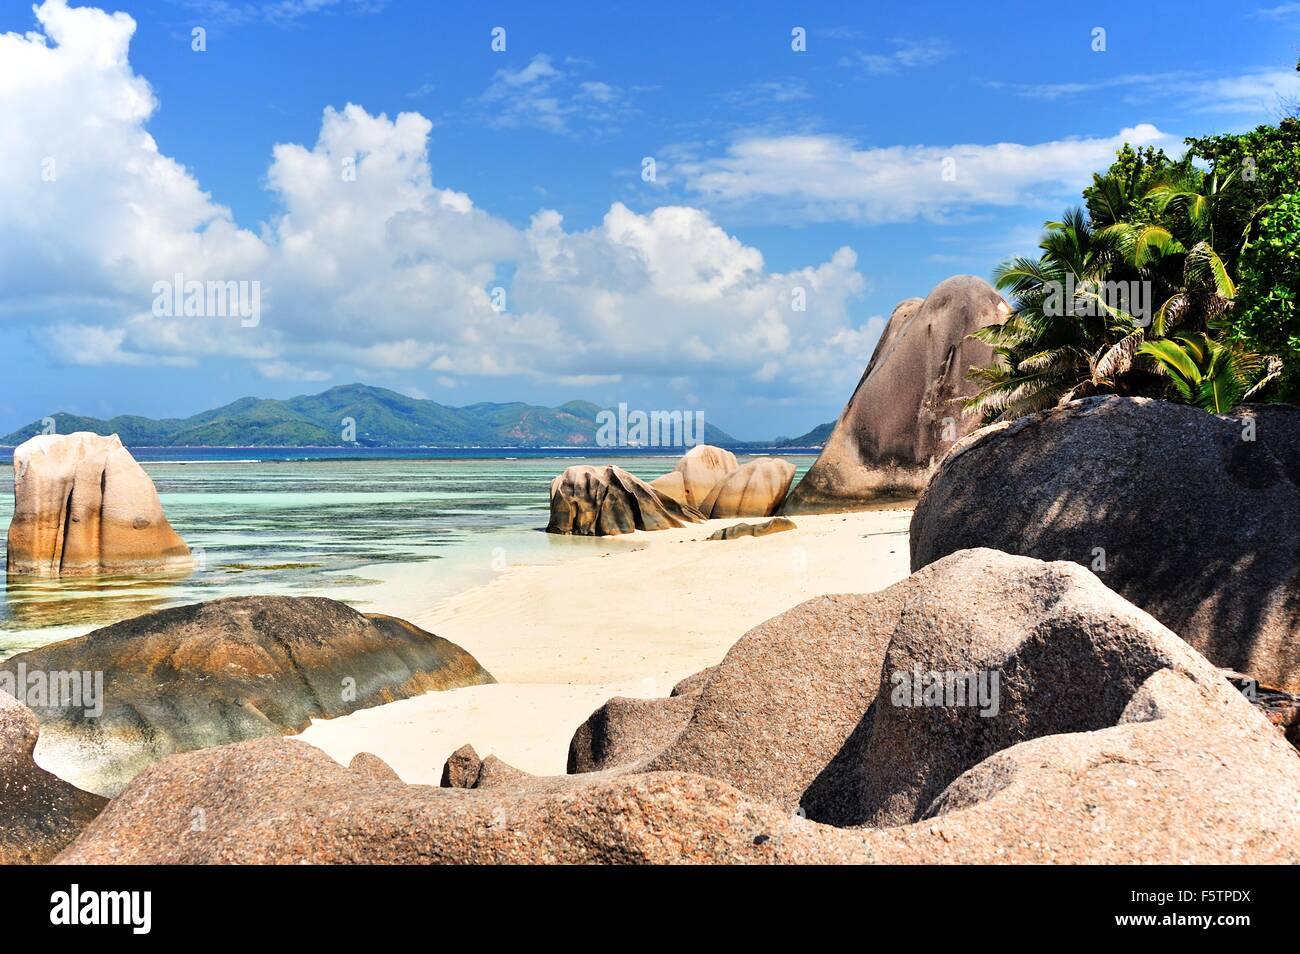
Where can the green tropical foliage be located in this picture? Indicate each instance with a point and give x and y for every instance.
(1265, 318)
(1063, 340)
(1213, 376)
(1177, 279)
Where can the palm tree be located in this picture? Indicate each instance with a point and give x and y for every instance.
(1212, 375)
(1150, 228)
(1207, 200)
(1064, 338)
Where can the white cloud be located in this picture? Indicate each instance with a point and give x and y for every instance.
(541, 95)
(1283, 11)
(1147, 83)
(587, 380)
(671, 290)
(1255, 92)
(905, 55)
(96, 346)
(827, 178)
(768, 93)
(279, 12)
(368, 264)
(87, 196)
(286, 371)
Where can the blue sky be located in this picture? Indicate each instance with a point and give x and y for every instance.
(775, 170)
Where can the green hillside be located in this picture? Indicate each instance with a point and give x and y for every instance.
(814, 438)
(380, 417)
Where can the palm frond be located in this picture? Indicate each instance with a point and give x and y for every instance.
(1206, 268)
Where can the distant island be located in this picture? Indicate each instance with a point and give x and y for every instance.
(361, 415)
(814, 438)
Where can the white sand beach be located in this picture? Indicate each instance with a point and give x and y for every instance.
(563, 637)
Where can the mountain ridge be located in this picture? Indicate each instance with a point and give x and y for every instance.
(379, 418)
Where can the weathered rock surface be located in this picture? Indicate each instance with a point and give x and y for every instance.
(464, 769)
(1139, 792)
(783, 701)
(494, 773)
(84, 507)
(373, 766)
(461, 768)
(39, 813)
(670, 485)
(1175, 508)
(755, 489)
(1011, 650)
(1280, 707)
(624, 731)
(461, 771)
(737, 530)
(282, 801)
(693, 684)
(1113, 742)
(600, 501)
(703, 467)
(906, 410)
(227, 670)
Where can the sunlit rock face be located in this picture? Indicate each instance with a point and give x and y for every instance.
(907, 410)
(84, 507)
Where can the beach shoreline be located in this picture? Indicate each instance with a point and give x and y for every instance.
(563, 636)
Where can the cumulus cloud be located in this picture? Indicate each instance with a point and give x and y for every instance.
(368, 264)
(96, 346)
(831, 178)
(671, 289)
(91, 207)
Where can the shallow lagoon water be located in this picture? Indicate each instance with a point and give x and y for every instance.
(385, 535)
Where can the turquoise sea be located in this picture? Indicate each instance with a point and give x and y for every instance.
(387, 531)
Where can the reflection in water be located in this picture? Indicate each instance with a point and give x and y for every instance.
(35, 603)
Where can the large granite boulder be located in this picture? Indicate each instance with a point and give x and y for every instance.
(1193, 517)
(227, 670)
(601, 501)
(786, 697)
(671, 485)
(906, 411)
(39, 812)
(1170, 766)
(84, 507)
(702, 468)
(755, 489)
(993, 651)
